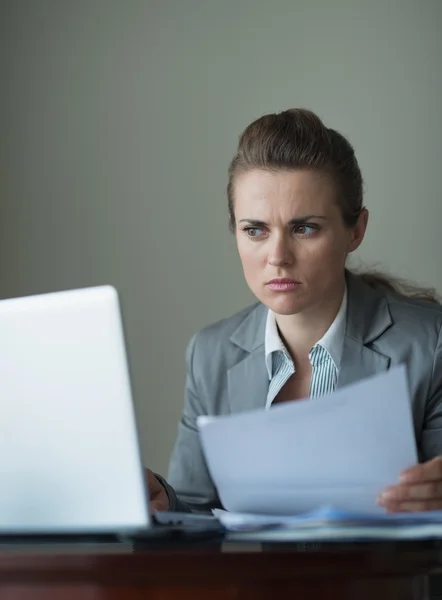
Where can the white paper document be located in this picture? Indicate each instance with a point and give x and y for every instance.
(338, 451)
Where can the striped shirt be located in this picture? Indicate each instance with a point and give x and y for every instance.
(325, 357)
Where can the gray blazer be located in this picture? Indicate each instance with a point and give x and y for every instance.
(226, 374)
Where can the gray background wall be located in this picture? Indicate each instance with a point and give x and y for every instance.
(117, 122)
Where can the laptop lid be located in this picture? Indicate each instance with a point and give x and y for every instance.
(69, 451)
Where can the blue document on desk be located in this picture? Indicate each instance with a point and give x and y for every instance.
(341, 450)
(329, 524)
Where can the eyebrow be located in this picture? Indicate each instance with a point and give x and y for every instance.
(297, 221)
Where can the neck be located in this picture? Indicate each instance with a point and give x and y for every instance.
(301, 331)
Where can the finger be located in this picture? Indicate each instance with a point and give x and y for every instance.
(414, 506)
(157, 506)
(431, 490)
(152, 481)
(427, 471)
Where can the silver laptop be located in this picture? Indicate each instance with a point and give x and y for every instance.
(69, 453)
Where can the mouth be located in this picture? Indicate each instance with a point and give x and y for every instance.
(284, 284)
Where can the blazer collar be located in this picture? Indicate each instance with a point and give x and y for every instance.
(250, 334)
(368, 317)
(248, 380)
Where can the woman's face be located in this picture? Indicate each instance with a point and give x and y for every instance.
(291, 238)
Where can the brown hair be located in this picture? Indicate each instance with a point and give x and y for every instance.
(376, 279)
(298, 139)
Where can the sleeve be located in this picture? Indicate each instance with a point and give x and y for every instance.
(189, 485)
(431, 441)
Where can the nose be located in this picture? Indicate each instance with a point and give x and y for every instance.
(280, 252)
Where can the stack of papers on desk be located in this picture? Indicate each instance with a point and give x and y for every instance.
(329, 524)
(312, 469)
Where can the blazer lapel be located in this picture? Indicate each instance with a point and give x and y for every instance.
(368, 317)
(358, 362)
(248, 380)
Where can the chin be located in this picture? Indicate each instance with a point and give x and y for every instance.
(286, 305)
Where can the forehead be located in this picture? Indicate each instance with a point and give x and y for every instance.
(284, 192)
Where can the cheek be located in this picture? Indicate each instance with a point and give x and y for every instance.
(336, 250)
(252, 256)
(322, 256)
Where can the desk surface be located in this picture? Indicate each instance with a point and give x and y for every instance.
(229, 571)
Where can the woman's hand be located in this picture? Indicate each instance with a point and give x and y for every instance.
(419, 489)
(158, 498)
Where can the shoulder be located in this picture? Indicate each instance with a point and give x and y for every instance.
(376, 313)
(219, 333)
(216, 348)
(415, 332)
(410, 312)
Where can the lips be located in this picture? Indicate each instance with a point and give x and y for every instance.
(282, 280)
(284, 284)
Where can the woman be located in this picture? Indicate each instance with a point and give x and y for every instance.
(295, 197)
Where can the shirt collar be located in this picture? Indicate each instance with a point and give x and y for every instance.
(332, 340)
(273, 343)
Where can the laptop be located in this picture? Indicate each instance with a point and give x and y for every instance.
(70, 462)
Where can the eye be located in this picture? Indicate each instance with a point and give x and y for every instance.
(254, 232)
(305, 229)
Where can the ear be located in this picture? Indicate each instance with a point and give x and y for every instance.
(358, 231)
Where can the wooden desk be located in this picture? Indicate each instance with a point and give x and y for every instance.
(356, 572)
